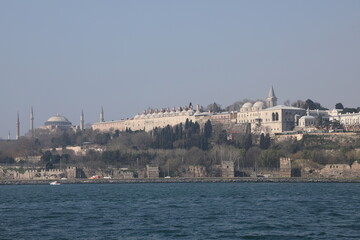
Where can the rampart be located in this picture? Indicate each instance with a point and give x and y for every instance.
(21, 173)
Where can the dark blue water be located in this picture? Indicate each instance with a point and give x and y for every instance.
(181, 211)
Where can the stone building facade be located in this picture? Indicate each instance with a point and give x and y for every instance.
(38, 174)
(341, 170)
(351, 121)
(263, 116)
(151, 119)
(195, 171)
(269, 117)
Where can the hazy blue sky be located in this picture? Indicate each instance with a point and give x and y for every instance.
(64, 56)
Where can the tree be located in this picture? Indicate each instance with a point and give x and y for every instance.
(264, 141)
(214, 107)
(309, 104)
(339, 106)
(248, 141)
(6, 159)
(186, 124)
(221, 137)
(46, 157)
(349, 110)
(208, 129)
(298, 104)
(269, 159)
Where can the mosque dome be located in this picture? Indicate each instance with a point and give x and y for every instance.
(307, 121)
(58, 120)
(259, 104)
(308, 118)
(247, 105)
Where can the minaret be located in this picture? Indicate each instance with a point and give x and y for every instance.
(82, 120)
(271, 100)
(102, 115)
(32, 123)
(9, 136)
(17, 127)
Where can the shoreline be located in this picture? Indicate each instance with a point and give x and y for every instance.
(182, 180)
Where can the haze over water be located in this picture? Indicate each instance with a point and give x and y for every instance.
(181, 211)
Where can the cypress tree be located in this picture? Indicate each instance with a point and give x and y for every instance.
(208, 129)
(262, 141)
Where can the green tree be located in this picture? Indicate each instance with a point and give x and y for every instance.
(264, 141)
(339, 106)
(208, 129)
(248, 141)
(309, 104)
(349, 110)
(46, 157)
(269, 158)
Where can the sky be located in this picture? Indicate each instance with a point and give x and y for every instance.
(67, 56)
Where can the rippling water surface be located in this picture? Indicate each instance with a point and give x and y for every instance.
(181, 211)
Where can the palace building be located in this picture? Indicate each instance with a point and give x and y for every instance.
(263, 117)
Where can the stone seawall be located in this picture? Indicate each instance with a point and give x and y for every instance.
(186, 180)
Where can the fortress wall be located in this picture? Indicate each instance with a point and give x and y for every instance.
(41, 174)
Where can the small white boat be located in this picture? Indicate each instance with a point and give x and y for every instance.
(55, 183)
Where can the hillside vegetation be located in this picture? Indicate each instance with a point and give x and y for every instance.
(174, 149)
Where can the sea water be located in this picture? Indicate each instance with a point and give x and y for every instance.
(181, 211)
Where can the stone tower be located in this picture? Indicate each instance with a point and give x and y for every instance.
(32, 123)
(285, 167)
(82, 120)
(271, 100)
(102, 115)
(17, 127)
(227, 169)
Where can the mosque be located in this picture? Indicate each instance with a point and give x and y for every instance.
(56, 122)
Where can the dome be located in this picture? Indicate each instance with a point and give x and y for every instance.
(247, 105)
(57, 120)
(308, 117)
(259, 104)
